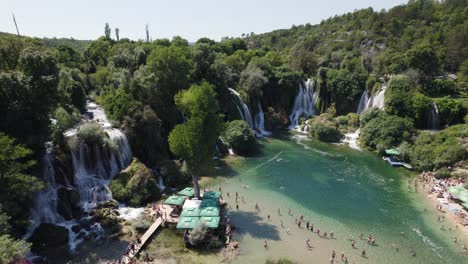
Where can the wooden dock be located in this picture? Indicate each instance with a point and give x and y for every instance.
(146, 236)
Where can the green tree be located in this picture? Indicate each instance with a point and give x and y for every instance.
(16, 187)
(107, 31)
(195, 139)
(11, 249)
(241, 138)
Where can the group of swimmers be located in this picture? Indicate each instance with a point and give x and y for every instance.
(371, 240)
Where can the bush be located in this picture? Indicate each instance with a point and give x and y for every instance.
(436, 150)
(450, 111)
(442, 87)
(198, 234)
(386, 131)
(442, 173)
(66, 120)
(241, 138)
(325, 129)
(141, 224)
(135, 185)
(93, 134)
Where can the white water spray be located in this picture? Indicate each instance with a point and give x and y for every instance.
(304, 104)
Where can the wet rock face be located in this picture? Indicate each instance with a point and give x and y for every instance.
(68, 203)
(48, 238)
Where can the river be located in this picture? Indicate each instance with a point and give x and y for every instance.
(337, 189)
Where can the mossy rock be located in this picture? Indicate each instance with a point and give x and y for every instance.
(68, 201)
(135, 185)
(48, 238)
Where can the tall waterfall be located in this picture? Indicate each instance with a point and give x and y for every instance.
(45, 207)
(367, 101)
(258, 126)
(260, 121)
(304, 103)
(433, 121)
(94, 166)
(363, 102)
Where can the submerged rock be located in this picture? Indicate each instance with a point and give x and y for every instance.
(49, 237)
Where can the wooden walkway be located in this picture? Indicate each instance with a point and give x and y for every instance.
(143, 240)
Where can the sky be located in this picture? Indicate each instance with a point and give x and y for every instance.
(190, 19)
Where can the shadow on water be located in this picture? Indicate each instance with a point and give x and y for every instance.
(252, 224)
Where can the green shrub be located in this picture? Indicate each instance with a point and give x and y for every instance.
(135, 185)
(198, 234)
(386, 131)
(324, 129)
(93, 134)
(66, 120)
(442, 173)
(241, 138)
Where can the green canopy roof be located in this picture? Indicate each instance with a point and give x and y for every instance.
(211, 222)
(175, 200)
(392, 152)
(209, 203)
(209, 211)
(187, 192)
(188, 222)
(190, 212)
(459, 193)
(211, 195)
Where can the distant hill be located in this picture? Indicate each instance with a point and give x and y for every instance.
(79, 45)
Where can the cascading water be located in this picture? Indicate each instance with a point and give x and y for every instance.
(258, 126)
(363, 102)
(351, 139)
(94, 166)
(304, 104)
(433, 121)
(242, 107)
(45, 209)
(260, 121)
(367, 101)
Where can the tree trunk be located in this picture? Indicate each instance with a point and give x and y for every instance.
(196, 188)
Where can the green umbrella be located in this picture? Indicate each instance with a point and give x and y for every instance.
(211, 221)
(190, 212)
(211, 195)
(459, 193)
(175, 200)
(188, 222)
(187, 192)
(209, 211)
(209, 203)
(392, 152)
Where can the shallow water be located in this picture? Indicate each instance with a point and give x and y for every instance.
(337, 189)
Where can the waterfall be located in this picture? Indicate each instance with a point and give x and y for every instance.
(94, 166)
(258, 126)
(433, 121)
(351, 139)
(304, 104)
(367, 101)
(242, 107)
(363, 102)
(378, 100)
(45, 207)
(260, 121)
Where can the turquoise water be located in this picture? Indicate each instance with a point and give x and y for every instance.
(337, 189)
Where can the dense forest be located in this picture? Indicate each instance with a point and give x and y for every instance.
(163, 92)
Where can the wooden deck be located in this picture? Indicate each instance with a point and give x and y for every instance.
(143, 239)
